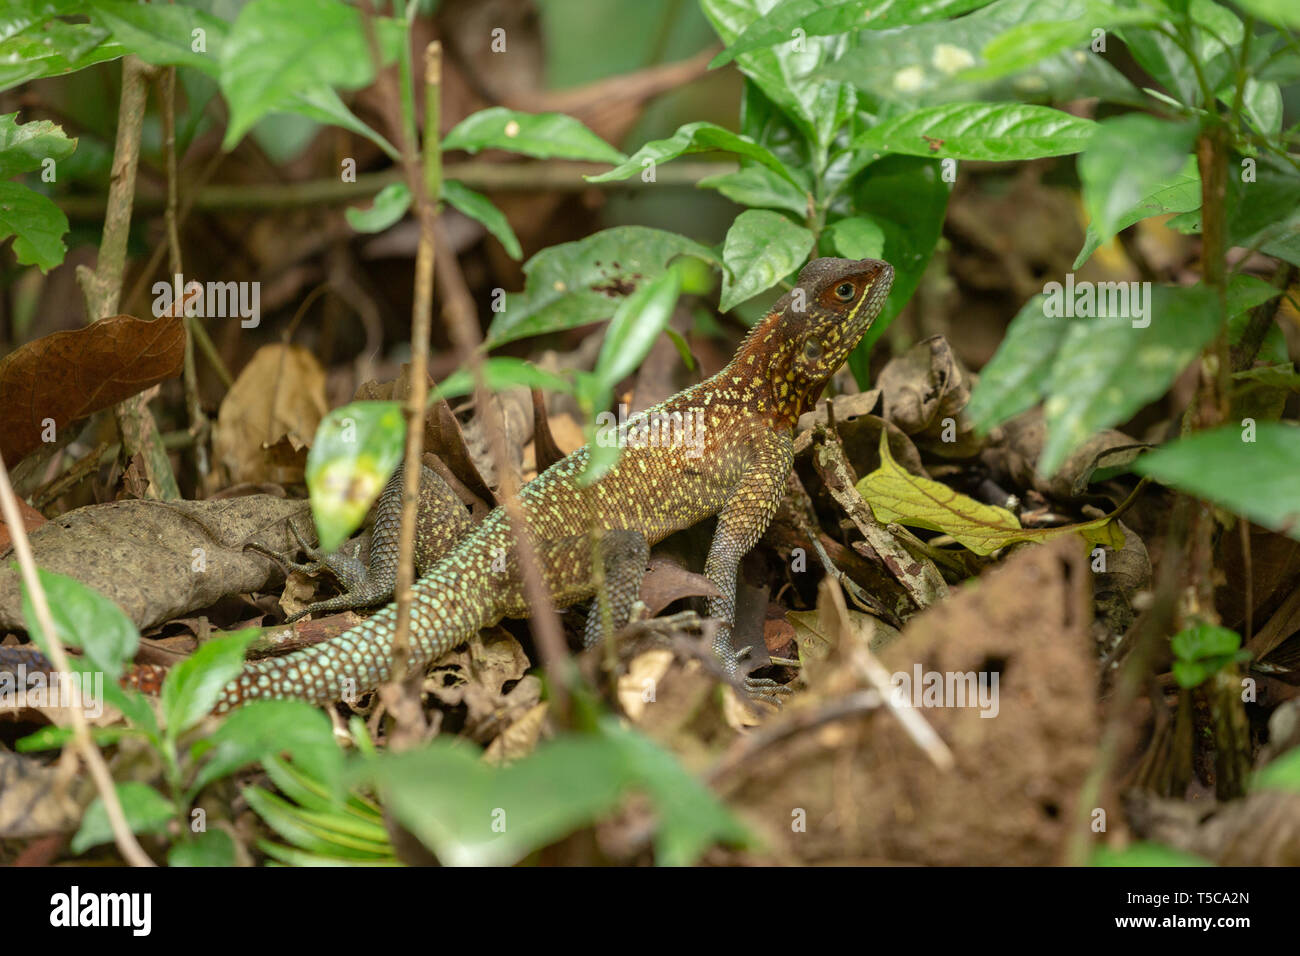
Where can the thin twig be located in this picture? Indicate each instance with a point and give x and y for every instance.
(122, 835)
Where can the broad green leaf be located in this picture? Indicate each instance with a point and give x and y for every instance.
(36, 223)
(1179, 193)
(690, 818)
(577, 283)
(277, 50)
(84, 619)
(1257, 479)
(210, 848)
(932, 63)
(759, 188)
(633, 330)
(53, 48)
(471, 814)
(323, 105)
(1017, 375)
(831, 17)
(1282, 12)
(356, 450)
(785, 75)
(761, 248)
(543, 135)
(982, 131)
(25, 147)
(480, 208)
(898, 496)
(500, 374)
(1127, 159)
(907, 198)
(389, 206)
(146, 811)
(268, 728)
(1105, 369)
(191, 688)
(696, 138)
(164, 34)
(1025, 44)
(858, 237)
(636, 324)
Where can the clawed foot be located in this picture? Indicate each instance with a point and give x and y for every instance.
(663, 626)
(763, 688)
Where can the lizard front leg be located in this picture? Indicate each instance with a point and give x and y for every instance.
(741, 522)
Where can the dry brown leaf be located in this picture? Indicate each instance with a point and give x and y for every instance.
(278, 397)
(67, 376)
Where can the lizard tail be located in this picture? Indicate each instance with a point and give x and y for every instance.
(361, 658)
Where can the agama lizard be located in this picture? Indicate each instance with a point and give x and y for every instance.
(735, 468)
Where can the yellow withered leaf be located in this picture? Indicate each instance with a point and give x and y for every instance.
(898, 496)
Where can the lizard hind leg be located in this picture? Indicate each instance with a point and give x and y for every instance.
(624, 555)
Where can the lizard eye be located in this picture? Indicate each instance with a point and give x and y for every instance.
(812, 350)
(844, 291)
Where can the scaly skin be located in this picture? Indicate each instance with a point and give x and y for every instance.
(735, 467)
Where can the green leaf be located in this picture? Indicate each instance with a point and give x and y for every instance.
(388, 207)
(24, 148)
(356, 450)
(210, 848)
(785, 75)
(1280, 12)
(84, 619)
(691, 819)
(471, 814)
(633, 330)
(577, 283)
(696, 138)
(146, 811)
(830, 17)
(979, 131)
(1105, 369)
(761, 248)
(480, 208)
(269, 728)
(331, 834)
(906, 197)
(1282, 773)
(278, 49)
(1018, 374)
(1127, 159)
(898, 496)
(53, 48)
(191, 688)
(163, 34)
(1258, 479)
(36, 223)
(324, 106)
(543, 135)
(1179, 193)
(1146, 854)
(1025, 44)
(636, 324)
(503, 373)
(858, 237)
(758, 187)
(1201, 650)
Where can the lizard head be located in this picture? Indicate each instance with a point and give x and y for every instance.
(811, 330)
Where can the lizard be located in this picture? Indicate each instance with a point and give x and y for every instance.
(727, 452)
